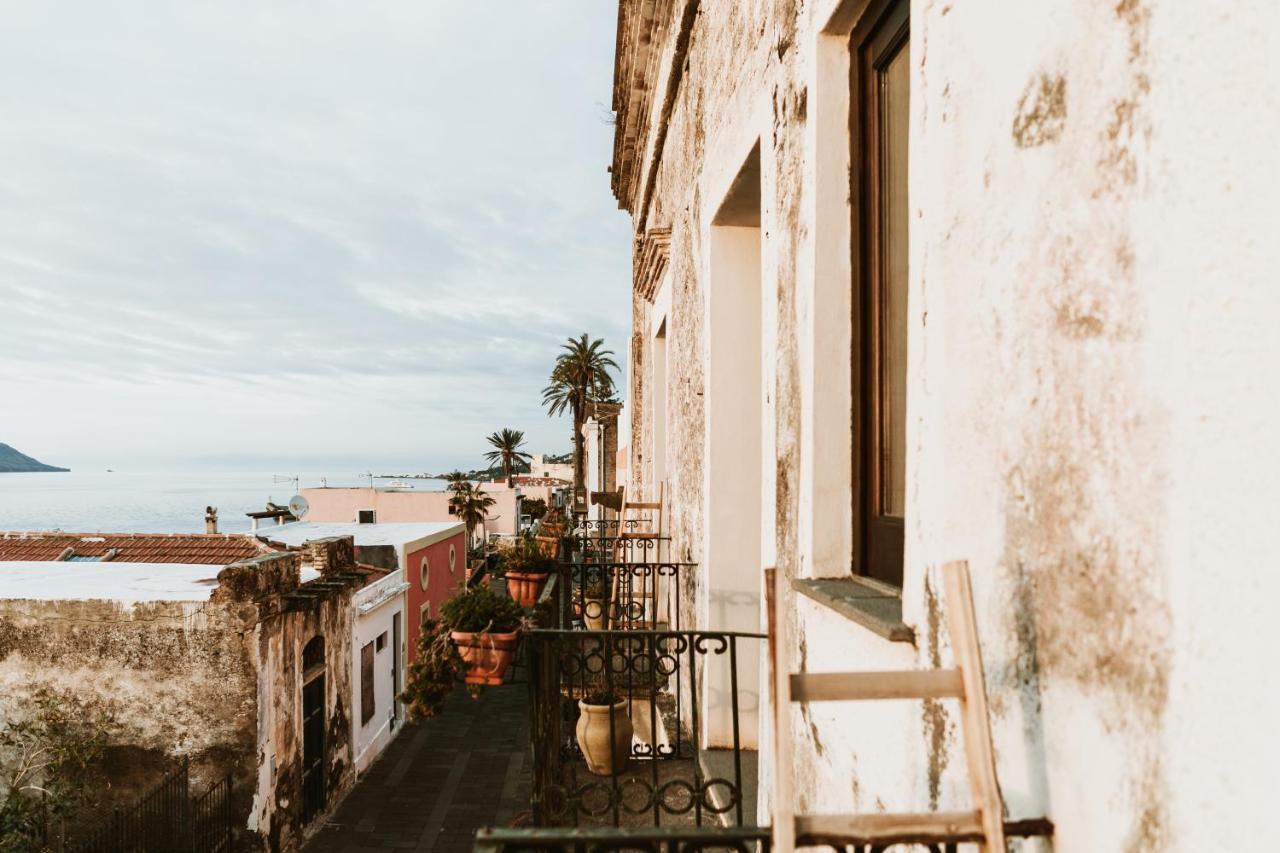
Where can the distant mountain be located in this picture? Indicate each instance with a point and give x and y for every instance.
(12, 461)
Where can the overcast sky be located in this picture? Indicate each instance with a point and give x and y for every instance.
(251, 233)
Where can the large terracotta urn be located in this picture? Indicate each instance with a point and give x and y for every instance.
(606, 748)
(593, 613)
(486, 655)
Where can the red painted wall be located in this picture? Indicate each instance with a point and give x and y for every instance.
(443, 577)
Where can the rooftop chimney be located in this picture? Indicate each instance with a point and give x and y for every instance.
(211, 519)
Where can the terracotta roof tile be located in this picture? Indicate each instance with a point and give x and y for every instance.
(215, 549)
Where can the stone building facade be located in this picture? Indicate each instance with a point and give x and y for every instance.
(212, 664)
(920, 281)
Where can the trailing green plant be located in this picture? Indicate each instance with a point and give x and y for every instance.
(480, 608)
(48, 750)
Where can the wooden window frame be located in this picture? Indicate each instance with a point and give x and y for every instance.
(877, 538)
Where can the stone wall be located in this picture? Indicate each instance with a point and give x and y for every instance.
(1092, 239)
(176, 677)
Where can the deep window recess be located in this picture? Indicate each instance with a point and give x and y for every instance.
(879, 133)
(367, 697)
(381, 642)
(366, 516)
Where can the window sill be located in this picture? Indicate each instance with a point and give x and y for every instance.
(873, 605)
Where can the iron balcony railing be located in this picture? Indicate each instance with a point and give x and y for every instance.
(609, 840)
(675, 691)
(620, 595)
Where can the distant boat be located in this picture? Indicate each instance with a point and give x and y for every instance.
(398, 485)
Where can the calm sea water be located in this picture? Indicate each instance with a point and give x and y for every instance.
(171, 502)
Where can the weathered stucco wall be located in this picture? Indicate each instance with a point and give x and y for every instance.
(175, 677)
(1093, 259)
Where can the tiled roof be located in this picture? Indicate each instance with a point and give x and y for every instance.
(215, 549)
(538, 481)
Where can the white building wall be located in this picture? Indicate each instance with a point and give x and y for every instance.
(376, 608)
(1092, 355)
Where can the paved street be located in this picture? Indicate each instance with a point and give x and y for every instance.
(441, 780)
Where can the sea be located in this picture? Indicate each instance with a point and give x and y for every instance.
(155, 502)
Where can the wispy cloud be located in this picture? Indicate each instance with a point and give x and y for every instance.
(383, 218)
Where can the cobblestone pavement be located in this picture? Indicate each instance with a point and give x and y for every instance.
(439, 781)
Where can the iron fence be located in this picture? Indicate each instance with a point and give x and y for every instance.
(620, 595)
(653, 698)
(613, 544)
(167, 818)
(651, 840)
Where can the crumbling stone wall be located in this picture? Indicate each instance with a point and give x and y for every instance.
(175, 676)
(284, 624)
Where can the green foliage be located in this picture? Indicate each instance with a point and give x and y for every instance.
(480, 608)
(524, 555)
(438, 665)
(433, 673)
(47, 752)
(470, 503)
(601, 697)
(507, 450)
(581, 375)
(535, 508)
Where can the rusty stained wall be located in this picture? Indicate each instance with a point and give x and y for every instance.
(1053, 162)
(276, 647)
(174, 675)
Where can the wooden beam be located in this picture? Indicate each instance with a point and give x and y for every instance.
(975, 723)
(852, 686)
(885, 829)
(784, 840)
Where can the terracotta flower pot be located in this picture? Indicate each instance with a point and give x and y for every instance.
(487, 656)
(606, 749)
(525, 587)
(593, 613)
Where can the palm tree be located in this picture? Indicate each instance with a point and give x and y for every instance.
(580, 376)
(471, 505)
(507, 450)
(456, 479)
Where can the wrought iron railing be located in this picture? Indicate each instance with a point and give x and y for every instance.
(167, 818)
(685, 839)
(670, 692)
(620, 595)
(613, 540)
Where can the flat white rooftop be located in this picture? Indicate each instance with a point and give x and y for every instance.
(44, 580)
(390, 533)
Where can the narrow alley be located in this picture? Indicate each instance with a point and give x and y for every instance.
(441, 780)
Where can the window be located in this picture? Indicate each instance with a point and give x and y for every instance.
(313, 658)
(453, 557)
(366, 516)
(367, 697)
(880, 118)
(424, 613)
(381, 642)
(453, 510)
(424, 573)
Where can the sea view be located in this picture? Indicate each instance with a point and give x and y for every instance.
(152, 502)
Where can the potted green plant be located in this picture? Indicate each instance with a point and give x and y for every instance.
(474, 638)
(526, 569)
(594, 603)
(604, 732)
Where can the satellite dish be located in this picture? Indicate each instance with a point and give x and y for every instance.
(298, 506)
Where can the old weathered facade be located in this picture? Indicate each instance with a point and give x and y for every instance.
(243, 670)
(921, 281)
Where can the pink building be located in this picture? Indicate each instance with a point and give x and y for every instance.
(384, 505)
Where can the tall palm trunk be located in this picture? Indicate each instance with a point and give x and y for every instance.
(579, 458)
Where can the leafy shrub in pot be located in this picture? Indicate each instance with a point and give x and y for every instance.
(475, 638)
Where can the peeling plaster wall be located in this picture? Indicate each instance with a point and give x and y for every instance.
(175, 675)
(1093, 257)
